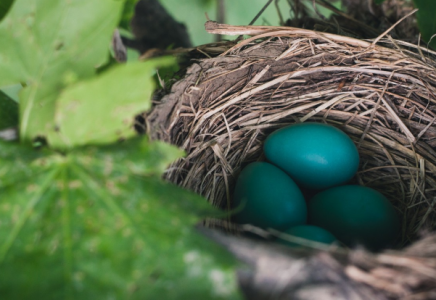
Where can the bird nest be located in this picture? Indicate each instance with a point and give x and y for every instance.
(382, 93)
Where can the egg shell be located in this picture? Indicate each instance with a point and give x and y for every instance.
(268, 198)
(355, 215)
(315, 155)
(309, 232)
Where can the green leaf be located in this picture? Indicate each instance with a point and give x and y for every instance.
(128, 11)
(13, 91)
(5, 5)
(102, 110)
(426, 17)
(138, 157)
(45, 42)
(8, 112)
(379, 1)
(98, 223)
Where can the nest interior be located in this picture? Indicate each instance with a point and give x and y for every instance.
(381, 93)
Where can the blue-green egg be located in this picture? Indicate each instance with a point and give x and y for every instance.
(355, 215)
(308, 232)
(315, 155)
(268, 198)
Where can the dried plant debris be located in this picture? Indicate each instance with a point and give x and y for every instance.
(277, 272)
(381, 93)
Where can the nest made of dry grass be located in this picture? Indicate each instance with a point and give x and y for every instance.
(381, 93)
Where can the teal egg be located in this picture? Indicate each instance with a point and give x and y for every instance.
(309, 232)
(268, 198)
(355, 215)
(315, 155)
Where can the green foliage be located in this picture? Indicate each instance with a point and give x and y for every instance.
(8, 112)
(87, 219)
(43, 42)
(426, 16)
(98, 223)
(379, 1)
(104, 106)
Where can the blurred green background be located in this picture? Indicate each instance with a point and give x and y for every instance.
(238, 12)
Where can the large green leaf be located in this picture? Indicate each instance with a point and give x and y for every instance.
(45, 42)
(98, 223)
(426, 17)
(102, 110)
(8, 112)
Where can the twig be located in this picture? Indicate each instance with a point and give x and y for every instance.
(120, 51)
(258, 15)
(342, 14)
(316, 10)
(393, 26)
(282, 22)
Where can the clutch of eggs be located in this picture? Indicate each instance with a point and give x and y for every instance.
(319, 157)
